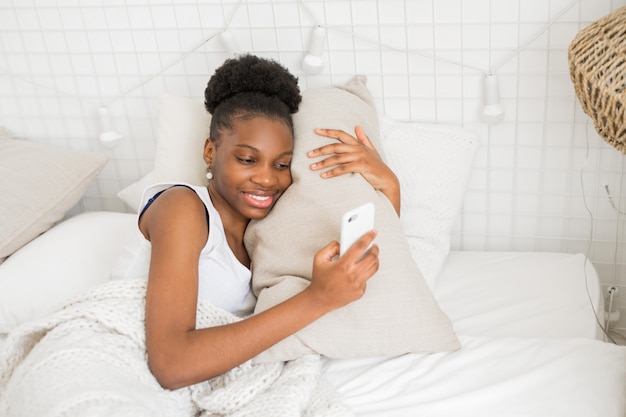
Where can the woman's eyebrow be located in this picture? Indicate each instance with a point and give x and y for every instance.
(243, 145)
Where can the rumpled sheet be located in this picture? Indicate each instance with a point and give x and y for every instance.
(489, 377)
(89, 359)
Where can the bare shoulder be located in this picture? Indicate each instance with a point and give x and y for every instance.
(177, 212)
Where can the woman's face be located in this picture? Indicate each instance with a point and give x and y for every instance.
(250, 166)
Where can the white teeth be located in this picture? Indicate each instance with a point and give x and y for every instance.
(259, 197)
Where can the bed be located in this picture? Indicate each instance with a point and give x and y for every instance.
(527, 322)
(531, 347)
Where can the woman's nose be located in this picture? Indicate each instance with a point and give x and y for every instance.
(264, 175)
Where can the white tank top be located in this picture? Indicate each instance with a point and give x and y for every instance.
(223, 280)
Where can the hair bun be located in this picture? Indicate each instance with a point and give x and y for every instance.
(249, 73)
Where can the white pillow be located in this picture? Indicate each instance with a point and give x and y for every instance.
(433, 164)
(132, 194)
(71, 257)
(39, 184)
(182, 128)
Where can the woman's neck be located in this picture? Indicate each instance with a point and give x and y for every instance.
(234, 227)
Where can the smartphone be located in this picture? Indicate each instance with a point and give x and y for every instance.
(354, 224)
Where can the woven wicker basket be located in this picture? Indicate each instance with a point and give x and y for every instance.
(597, 63)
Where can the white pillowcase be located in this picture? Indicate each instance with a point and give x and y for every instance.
(73, 256)
(182, 128)
(433, 164)
(132, 194)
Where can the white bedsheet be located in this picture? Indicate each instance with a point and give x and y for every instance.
(520, 294)
(511, 377)
(528, 330)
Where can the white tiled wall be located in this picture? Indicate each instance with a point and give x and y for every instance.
(425, 60)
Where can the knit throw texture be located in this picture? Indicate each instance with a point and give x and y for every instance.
(89, 359)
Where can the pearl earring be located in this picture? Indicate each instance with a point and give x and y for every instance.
(209, 175)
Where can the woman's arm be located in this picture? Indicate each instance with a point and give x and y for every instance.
(358, 155)
(178, 354)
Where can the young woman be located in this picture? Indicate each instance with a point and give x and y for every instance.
(191, 238)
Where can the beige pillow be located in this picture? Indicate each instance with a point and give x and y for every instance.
(39, 184)
(398, 313)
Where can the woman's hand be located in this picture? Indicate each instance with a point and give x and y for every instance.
(356, 155)
(340, 281)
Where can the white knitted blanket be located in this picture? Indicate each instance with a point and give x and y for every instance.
(89, 359)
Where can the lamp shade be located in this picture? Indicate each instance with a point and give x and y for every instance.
(597, 63)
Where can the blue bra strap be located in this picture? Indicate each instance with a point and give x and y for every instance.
(154, 197)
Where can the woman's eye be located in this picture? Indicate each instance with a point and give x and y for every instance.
(246, 161)
(283, 165)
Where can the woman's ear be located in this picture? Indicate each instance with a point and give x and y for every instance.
(209, 151)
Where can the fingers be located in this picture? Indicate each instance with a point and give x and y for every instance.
(338, 134)
(355, 253)
(333, 148)
(359, 267)
(370, 262)
(345, 158)
(367, 264)
(362, 137)
(328, 252)
(350, 155)
(342, 164)
(339, 281)
(343, 137)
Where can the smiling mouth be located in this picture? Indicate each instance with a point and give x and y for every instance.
(259, 201)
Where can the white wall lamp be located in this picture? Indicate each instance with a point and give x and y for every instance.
(493, 111)
(313, 63)
(109, 138)
(230, 43)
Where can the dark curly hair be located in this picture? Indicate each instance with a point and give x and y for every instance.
(249, 86)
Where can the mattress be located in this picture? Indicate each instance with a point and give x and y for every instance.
(525, 320)
(488, 377)
(521, 294)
